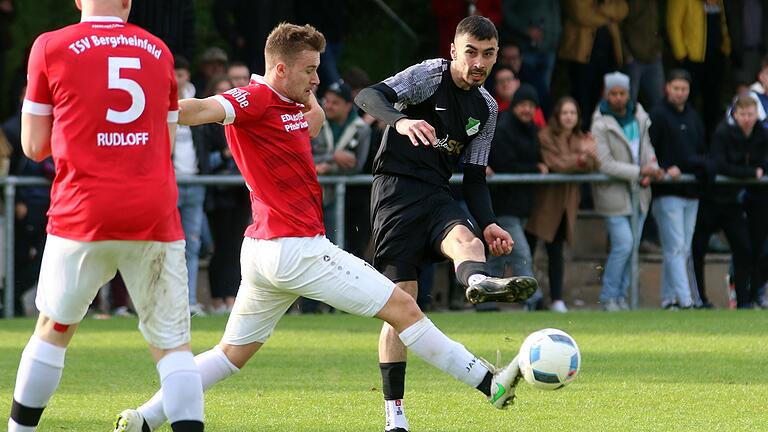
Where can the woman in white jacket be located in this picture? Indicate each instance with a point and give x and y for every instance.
(620, 129)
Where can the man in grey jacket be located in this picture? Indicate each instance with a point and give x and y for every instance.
(620, 128)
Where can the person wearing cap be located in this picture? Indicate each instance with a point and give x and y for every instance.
(620, 128)
(515, 149)
(679, 138)
(213, 62)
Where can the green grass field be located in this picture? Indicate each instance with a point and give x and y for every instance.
(641, 371)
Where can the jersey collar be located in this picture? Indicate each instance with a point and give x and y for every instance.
(101, 19)
(260, 80)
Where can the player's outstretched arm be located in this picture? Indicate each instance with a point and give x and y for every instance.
(36, 135)
(193, 112)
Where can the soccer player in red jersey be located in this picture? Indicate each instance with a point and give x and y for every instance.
(285, 253)
(102, 100)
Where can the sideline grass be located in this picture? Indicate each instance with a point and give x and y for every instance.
(642, 371)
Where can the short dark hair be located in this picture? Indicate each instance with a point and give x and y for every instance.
(479, 27)
(181, 62)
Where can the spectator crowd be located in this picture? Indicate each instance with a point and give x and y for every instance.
(639, 90)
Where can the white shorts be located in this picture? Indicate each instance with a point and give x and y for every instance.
(155, 274)
(276, 272)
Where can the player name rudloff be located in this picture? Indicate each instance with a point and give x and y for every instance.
(116, 139)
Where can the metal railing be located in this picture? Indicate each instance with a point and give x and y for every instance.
(10, 184)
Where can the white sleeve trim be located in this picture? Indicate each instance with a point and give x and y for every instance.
(36, 108)
(228, 109)
(173, 116)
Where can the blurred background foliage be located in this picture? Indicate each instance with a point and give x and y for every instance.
(373, 41)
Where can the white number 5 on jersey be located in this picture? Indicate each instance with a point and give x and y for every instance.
(138, 100)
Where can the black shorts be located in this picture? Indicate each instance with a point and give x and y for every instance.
(410, 219)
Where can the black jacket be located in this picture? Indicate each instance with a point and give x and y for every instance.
(738, 156)
(679, 140)
(515, 149)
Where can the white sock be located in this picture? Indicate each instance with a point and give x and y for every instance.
(13, 427)
(395, 415)
(476, 278)
(182, 387)
(428, 342)
(214, 366)
(38, 377)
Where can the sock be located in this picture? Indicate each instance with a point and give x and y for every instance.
(395, 415)
(214, 366)
(471, 272)
(393, 385)
(428, 342)
(38, 377)
(182, 389)
(485, 385)
(393, 380)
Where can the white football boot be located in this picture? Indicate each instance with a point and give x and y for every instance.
(129, 420)
(503, 385)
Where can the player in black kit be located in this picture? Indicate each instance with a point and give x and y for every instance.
(439, 117)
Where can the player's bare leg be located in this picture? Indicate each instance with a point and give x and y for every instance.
(468, 255)
(392, 362)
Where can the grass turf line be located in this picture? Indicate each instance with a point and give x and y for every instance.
(642, 371)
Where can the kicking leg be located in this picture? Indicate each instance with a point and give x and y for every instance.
(424, 339)
(468, 255)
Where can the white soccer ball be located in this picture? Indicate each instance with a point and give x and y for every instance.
(549, 359)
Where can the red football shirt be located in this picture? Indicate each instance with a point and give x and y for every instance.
(111, 89)
(269, 139)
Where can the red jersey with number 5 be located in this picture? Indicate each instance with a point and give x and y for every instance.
(111, 89)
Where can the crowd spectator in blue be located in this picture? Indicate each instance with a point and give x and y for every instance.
(515, 150)
(564, 149)
(748, 28)
(620, 129)
(678, 136)
(190, 158)
(591, 44)
(537, 26)
(738, 149)
(227, 207)
(698, 35)
(642, 51)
